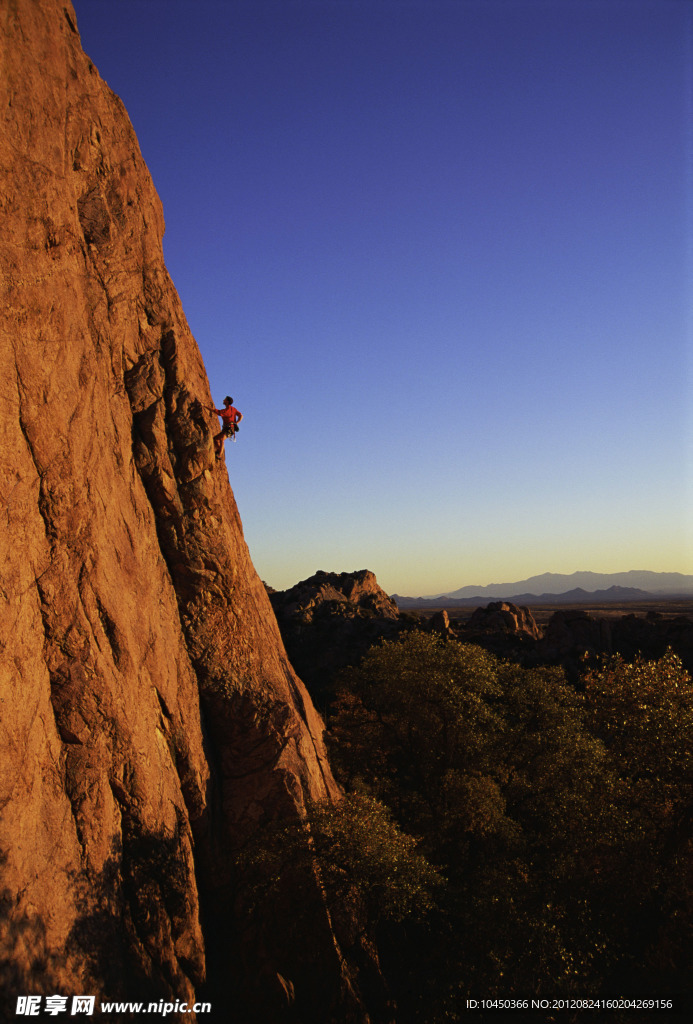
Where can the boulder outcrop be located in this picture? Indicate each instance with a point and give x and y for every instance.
(330, 620)
(504, 617)
(572, 632)
(356, 594)
(504, 629)
(150, 720)
(573, 635)
(439, 623)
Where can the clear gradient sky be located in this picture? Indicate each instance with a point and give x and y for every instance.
(440, 254)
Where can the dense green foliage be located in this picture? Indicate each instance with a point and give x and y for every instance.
(561, 819)
(368, 868)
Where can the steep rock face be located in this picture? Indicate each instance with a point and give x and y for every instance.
(150, 720)
(330, 620)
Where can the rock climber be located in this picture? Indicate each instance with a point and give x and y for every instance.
(230, 418)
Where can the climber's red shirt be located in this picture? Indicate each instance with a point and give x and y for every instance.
(228, 415)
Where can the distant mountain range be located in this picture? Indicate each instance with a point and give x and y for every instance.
(557, 588)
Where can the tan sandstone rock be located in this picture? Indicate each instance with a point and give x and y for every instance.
(149, 718)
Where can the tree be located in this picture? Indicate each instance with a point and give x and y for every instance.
(515, 799)
(643, 712)
(367, 866)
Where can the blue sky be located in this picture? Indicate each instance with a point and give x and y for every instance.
(440, 254)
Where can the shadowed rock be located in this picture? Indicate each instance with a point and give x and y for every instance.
(572, 635)
(576, 632)
(504, 617)
(330, 620)
(356, 594)
(439, 622)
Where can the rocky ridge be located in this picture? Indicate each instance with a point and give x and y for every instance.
(330, 620)
(151, 721)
